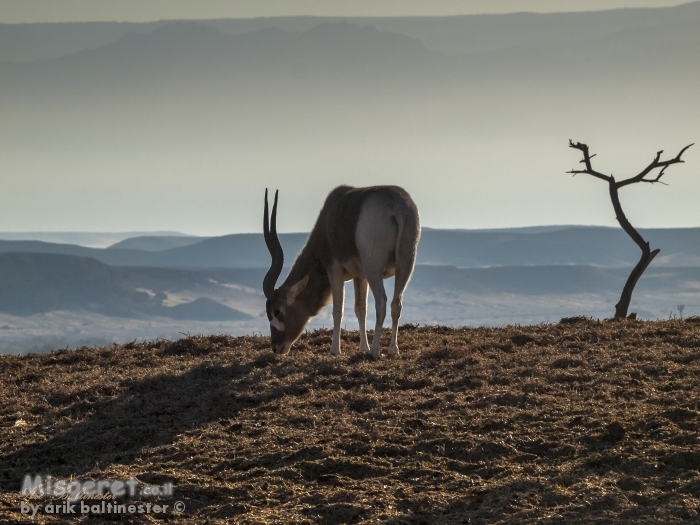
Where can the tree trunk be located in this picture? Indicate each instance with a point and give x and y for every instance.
(624, 303)
(647, 254)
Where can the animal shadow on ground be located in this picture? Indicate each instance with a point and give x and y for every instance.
(148, 413)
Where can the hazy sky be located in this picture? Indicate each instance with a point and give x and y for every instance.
(27, 11)
(495, 158)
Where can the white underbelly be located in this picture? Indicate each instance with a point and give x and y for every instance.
(352, 269)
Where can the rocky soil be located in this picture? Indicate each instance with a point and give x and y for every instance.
(576, 422)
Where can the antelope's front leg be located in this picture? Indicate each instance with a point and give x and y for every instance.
(335, 275)
(361, 311)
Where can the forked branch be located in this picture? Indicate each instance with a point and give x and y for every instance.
(657, 163)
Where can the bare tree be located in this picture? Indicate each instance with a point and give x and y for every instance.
(647, 253)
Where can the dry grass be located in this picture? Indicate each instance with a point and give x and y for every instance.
(578, 422)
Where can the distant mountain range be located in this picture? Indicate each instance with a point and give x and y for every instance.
(245, 53)
(157, 243)
(32, 283)
(138, 276)
(451, 35)
(97, 239)
(250, 70)
(50, 300)
(578, 245)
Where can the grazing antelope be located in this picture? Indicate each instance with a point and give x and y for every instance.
(364, 234)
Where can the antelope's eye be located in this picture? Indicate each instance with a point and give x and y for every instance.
(276, 313)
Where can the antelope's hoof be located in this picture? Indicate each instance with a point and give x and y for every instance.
(334, 351)
(393, 350)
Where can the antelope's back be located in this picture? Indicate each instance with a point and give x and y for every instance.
(342, 208)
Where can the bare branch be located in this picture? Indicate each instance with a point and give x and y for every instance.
(587, 161)
(678, 157)
(655, 164)
(657, 179)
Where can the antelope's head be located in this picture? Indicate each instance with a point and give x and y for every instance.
(287, 316)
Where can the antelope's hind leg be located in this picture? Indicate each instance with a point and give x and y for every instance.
(376, 284)
(361, 311)
(406, 257)
(396, 305)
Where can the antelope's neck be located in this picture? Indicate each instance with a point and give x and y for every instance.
(317, 293)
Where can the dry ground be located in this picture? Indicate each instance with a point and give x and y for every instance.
(577, 422)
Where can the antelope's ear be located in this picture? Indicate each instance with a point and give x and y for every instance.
(296, 289)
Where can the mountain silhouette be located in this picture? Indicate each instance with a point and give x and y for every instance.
(579, 245)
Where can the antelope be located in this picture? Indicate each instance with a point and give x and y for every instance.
(363, 234)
